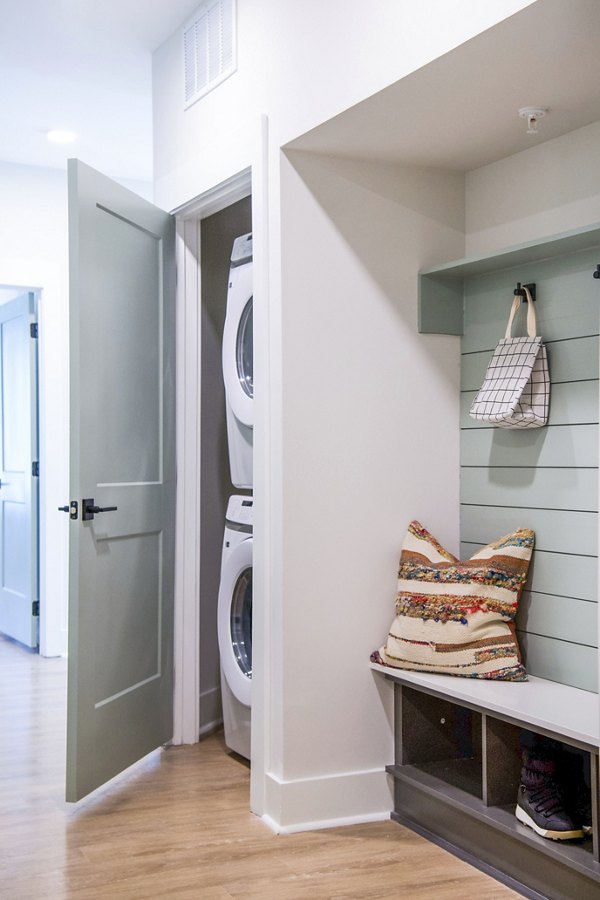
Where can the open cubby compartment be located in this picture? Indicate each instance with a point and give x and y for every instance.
(457, 771)
(440, 739)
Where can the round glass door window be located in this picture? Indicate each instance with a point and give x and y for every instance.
(244, 351)
(241, 622)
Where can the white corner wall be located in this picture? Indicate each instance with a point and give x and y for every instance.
(550, 188)
(369, 441)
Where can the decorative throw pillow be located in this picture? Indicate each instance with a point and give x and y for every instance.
(457, 618)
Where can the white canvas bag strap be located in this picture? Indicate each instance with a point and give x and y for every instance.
(531, 319)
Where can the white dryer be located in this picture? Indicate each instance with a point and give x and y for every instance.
(238, 362)
(234, 617)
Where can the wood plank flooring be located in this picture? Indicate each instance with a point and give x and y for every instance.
(177, 825)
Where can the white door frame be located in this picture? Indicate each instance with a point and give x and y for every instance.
(187, 554)
(47, 280)
(252, 177)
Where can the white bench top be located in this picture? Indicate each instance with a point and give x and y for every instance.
(546, 704)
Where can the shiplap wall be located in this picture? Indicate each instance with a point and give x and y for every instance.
(542, 478)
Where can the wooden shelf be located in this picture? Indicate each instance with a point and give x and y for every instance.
(441, 288)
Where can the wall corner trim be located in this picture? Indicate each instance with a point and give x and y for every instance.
(327, 801)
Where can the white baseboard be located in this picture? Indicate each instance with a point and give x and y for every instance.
(332, 801)
(329, 823)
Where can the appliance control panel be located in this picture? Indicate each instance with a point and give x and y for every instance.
(240, 510)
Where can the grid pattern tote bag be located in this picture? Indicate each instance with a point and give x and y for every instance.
(516, 390)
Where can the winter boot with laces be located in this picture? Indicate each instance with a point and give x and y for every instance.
(540, 802)
(576, 790)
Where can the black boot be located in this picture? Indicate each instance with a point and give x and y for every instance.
(577, 793)
(541, 803)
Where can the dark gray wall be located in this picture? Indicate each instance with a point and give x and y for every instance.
(217, 236)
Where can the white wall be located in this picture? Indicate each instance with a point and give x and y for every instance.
(300, 63)
(33, 242)
(550, 188)
(362, 456)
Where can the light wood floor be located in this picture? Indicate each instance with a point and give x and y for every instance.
(178, 824)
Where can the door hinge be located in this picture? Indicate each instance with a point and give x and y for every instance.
(35, 469)
(33, 329)
(35, 608)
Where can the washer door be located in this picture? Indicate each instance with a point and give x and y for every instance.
(238, 352)
(235, 621)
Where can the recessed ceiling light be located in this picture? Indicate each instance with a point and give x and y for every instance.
(58, 136)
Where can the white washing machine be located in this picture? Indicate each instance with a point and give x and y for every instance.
(234, 616)
(238, 362)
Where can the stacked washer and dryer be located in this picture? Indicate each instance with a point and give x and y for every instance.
(235, 591)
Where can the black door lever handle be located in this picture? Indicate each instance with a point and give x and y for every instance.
(89, 510)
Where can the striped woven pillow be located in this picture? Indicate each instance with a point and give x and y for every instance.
(456, 617)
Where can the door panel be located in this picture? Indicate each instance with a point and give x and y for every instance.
(18, 485)
(122, 302)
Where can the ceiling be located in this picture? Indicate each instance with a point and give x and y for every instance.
(83, 66)
(461, 111)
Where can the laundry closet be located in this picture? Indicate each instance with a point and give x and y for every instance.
(217, 235)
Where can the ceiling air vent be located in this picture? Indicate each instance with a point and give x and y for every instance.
(209, 48)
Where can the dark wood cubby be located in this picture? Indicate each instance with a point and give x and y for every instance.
(456, 774)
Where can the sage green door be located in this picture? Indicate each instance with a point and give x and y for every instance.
(18, 477)
(122, 543)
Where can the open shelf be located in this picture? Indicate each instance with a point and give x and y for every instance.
(463, 774)
(441, 288)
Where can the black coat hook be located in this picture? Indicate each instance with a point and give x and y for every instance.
(520, 291)
(596, 274)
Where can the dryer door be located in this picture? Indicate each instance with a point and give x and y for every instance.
(238, 352)
(235, 621)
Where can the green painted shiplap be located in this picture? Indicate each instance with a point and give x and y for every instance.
(538, 488)
(559, 446)
(556, 531)
(562, 661)
(545, 479)
(566, 619)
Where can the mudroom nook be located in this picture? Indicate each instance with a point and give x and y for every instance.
(457, 740)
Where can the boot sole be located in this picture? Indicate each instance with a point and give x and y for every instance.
(523, 817)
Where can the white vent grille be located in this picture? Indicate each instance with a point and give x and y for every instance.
(209, 48)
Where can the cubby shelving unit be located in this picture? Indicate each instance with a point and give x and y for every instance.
(456, 774)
